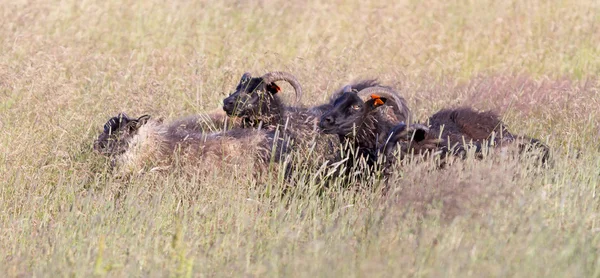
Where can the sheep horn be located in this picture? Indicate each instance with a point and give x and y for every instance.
(398, 103)
(414, 127)
(366, 93)
(284, 76)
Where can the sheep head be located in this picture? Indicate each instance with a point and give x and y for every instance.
(349, 112)
(117, 133)
(354, 110)
(256, 97)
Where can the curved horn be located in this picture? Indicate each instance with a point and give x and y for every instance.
(388, 93)
(284, 76)
(398, 103)
(419, 126)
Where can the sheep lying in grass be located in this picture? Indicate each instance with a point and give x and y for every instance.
(371, 137)
(357, 118)
(137, 144)
(450, 131)
(256, 102)
(214, 121)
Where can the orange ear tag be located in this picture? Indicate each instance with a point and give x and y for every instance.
(377, 99)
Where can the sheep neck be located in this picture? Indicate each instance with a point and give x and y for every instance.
(367, 136)
(270, 114)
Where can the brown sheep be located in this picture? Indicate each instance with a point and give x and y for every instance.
(137, 144)
(451, 131)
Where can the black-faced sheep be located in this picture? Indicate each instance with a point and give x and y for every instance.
(355, 118)
(257, 103)
(360, 125)
(451, 131)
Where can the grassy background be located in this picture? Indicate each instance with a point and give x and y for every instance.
(67, 66)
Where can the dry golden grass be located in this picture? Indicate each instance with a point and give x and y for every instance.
(67, 66)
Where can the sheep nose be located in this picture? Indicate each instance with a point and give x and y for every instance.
(228, 104)
(327, 121)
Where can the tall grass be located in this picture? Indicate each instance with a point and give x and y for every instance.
(67, 66)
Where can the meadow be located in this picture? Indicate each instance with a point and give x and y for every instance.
(68, 66)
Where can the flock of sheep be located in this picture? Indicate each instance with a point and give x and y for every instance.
(364, 128)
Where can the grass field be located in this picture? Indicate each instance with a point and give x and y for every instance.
(67, 66)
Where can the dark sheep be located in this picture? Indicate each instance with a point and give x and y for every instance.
(360, 125)
(257, 103)
(452, 131)
(374, 138)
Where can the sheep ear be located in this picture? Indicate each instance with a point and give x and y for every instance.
(245, 78)
(141, 121)
(347, 89)
(273, 88)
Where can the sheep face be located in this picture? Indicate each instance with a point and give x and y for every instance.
(251, 98)
(117, 133)
(349, 112)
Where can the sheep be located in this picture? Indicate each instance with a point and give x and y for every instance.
(133, 142)
(362, 124)
(117, 132)
(256, 102)
(451, 130)
(358, 122)
(137, 143)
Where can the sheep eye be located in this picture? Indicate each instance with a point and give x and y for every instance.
(355, 107)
